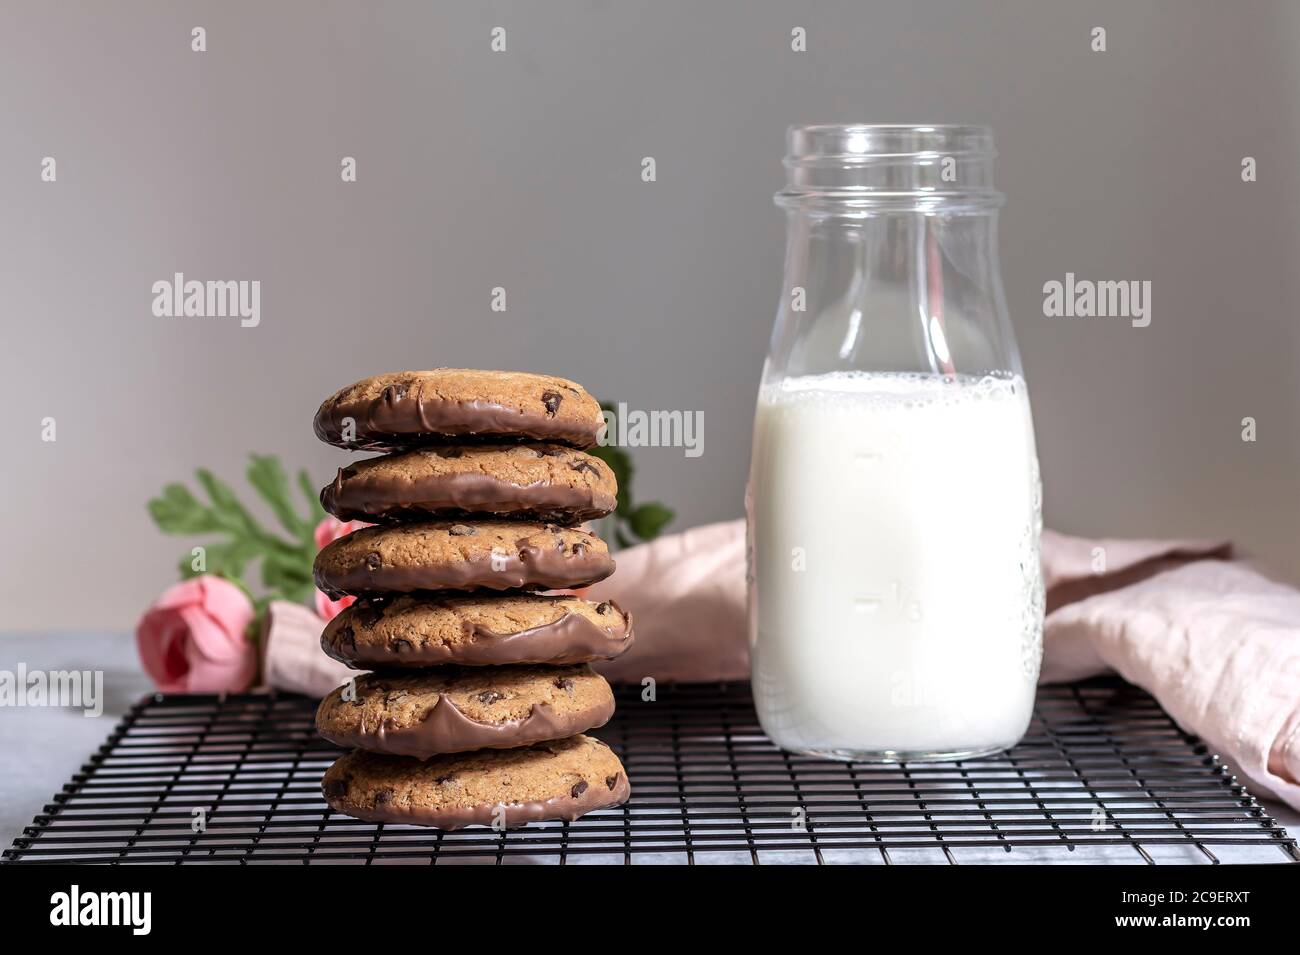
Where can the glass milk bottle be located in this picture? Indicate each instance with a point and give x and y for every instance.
(894, 505)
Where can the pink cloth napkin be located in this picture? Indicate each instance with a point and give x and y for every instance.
(686, 594)
(1217, 643)
(291, 655)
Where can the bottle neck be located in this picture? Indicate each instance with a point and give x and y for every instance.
(858, 170)
(889, 266)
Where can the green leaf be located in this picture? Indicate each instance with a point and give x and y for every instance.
(226, 508)
(267, 476)
(287, 572)
(286, 565)
(649, 519)
(237, 521)
(302, 593)
(226, 559)
(186, 566)
(177, 511)
(315, 513)
(620, 462)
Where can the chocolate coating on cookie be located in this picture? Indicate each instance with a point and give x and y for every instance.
(419, 631)
(543, 482)
(409, 408)
(563, 779)
(441, 555)
(449, 710)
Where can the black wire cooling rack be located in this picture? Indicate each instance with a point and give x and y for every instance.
(1104, 775)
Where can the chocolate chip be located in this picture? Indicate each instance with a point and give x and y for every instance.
(394, 392)
(373, 560)
(443, 780)
(369, 612)
(602, 608)
(564, 683)
(449, 452)
(552, 401)
(384, 797)
(488, 697)
(578, 789)
(584, 465)
(336, 787)
(548, 452)
(347, 638)
(462, 530)
(612, 781)
(579, 548)
(399, 645)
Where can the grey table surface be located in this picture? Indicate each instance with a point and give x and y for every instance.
(41, 747)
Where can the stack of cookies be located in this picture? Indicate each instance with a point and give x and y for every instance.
(481, 686)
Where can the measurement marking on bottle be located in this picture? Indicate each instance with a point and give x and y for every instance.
(901, 602)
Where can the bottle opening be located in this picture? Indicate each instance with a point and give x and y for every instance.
(859, 166)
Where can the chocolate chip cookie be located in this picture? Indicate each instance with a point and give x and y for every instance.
(405, 631)
(408, 408)
(542, 482)
(453, 710)
(444, 555)
(563, 779)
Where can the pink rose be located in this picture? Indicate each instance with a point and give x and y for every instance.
(331, 529)
(193, 639)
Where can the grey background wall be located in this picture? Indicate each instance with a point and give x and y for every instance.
(522, 169)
